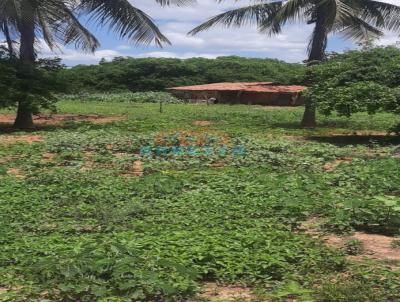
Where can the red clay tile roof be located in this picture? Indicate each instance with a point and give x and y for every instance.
(251, 87)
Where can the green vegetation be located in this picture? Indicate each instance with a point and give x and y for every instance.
(78, 225)
(155, 74)
(34, 86)
(395, 244)
(133, 97)
(358, 81)
(354, 247)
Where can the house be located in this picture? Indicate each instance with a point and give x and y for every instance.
(255, 93)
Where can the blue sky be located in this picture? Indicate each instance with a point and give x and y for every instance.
(175, 22)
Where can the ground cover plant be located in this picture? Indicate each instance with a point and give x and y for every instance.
(154, 206)
(135, 97)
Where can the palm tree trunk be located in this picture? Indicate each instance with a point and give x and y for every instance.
(317, 54)
(24, 119)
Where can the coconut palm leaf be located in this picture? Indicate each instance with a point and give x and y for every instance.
(57, 21)
(253, 14)
(124, 19)
(354, 19)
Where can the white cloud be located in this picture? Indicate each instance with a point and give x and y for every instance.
(389, 38)
(124, 47)
(176, 22)
(73, 56)
(186, 55)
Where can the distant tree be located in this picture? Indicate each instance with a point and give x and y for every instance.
(56, 21)
(354, 19)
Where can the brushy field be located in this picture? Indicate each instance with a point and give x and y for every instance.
(159, 206)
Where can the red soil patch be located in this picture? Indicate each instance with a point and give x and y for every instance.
(6, 159)
(218, 165)
(16, 172)
(215, 293)
(47, 157)
(202, 123)
(121, 155)
(12, 139)
(331, 166)
(136, 170)
(375, 246)
(55, 119)
(89, 164)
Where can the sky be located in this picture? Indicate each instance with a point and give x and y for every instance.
(175, 22)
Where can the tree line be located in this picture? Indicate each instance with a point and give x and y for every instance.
(156, 74)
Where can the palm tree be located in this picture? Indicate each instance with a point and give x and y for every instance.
(57, 22)
(354, 19)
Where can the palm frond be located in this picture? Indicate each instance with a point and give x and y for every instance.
(47, 31)
(74, 32)
(291, 11)
(336, 11)
(356, 29)
(126, 20)
(382, 14)
(253, 14)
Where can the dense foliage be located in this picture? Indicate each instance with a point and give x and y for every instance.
(358, 81)
(155, 74)
(33, 85)
(77, 225)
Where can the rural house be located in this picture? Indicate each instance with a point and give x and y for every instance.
(256, 93)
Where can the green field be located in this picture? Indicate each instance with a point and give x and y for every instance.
(245, 204)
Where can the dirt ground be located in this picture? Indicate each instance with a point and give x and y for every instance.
(16, 172)
(375, 246)
(56, 119)
(6, 121)
(217, 293)
(331, 166)
(13, 139)
(202, 123)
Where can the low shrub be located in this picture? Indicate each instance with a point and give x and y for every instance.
(133, 97)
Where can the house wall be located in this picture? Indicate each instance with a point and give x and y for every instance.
(260, 98)
(242, 97)
(194, 96)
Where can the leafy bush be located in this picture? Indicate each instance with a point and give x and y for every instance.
(357, 81)
(32, 85)
(354, 247)
(395, 244)
(347, 291)
(375, 211)
(368, 97)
